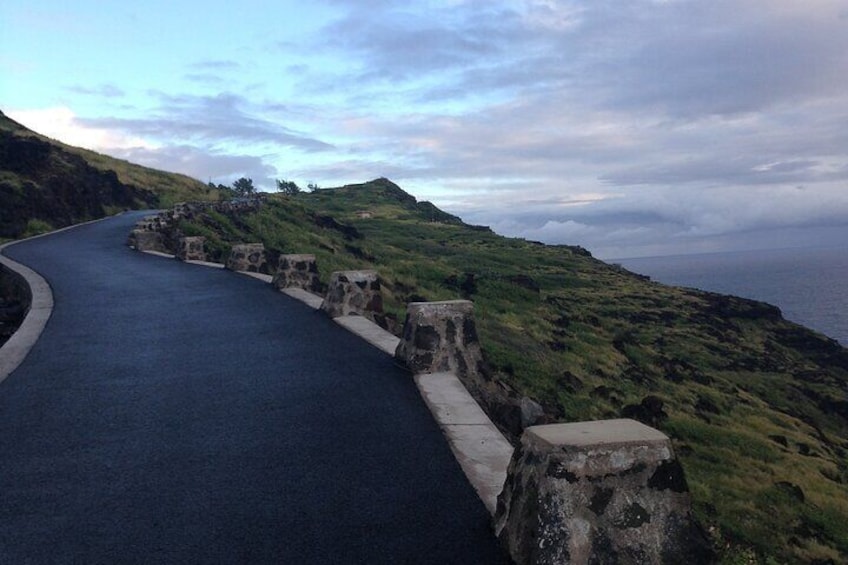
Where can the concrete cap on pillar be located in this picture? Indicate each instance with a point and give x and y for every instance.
(601, 432)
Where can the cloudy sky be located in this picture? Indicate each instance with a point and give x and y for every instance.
(631, 127)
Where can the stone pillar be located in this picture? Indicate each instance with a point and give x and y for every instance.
(192, 248)
(353, 292)
(150, 223)
(144, 240)
(299, 271)
(609, 491)
(440, 337)
(248, 257)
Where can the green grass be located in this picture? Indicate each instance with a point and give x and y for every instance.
(36, 227)
(59, 184)
(743, 389)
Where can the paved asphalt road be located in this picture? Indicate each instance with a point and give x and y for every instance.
(176, 414)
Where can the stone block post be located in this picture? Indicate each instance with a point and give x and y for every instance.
(248, 257)
(151, 223)
(609, 491)
(353, 292)
(144, 240)
(440, 337)
(192, 248)
(298, 271)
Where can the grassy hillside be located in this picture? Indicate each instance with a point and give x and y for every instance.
(756, 405)
(45, 184)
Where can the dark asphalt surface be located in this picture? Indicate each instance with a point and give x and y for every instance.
(176, 414)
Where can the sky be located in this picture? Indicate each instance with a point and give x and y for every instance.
(629, 127)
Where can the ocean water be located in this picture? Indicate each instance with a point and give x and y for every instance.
(810, 286)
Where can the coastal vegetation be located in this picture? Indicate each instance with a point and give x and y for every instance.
(755, 404)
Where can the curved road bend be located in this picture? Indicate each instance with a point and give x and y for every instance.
(175, 414)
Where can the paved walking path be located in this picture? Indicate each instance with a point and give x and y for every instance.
(172, 414)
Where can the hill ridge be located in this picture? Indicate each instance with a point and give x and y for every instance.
(46, 184)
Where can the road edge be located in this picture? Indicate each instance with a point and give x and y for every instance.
(16, 349)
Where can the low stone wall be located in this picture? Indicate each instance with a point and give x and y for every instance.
(353, 292)
(145, 240)
(165, 223)
(593, 492)
(191, 248)
(297, 271)
(609, 491)
(442, 337)
(248, 257)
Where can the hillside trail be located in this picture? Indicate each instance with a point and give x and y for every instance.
(175, 414)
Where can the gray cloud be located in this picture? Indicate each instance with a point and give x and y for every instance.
(204, 164)
(674, 122)
(658, 125)
(103, 90)
(210, 119)
(216, 65)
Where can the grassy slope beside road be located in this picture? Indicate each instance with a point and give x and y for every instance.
(45, 184)
(755, 404)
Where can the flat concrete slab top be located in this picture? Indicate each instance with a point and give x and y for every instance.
(449, 400)
(261, 276)
(159, 254)
(370, 332)
(480, 448)
(205, 264)
(600, 432)
(312, 300)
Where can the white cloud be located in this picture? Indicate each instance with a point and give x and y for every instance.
(62, 124)
(654, 124)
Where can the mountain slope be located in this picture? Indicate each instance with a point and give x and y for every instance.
(45, 184)
(756, 405)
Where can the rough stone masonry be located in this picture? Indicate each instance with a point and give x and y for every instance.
(439, 337)
(609, 491)
(353, 292)
(248, 257)
(192, 248)
(297, 271)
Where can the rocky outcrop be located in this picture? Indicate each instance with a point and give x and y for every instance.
(44, 181)
(353, 292)
(297, 271)
(191, 248)
(248, 257)
(609, 491)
